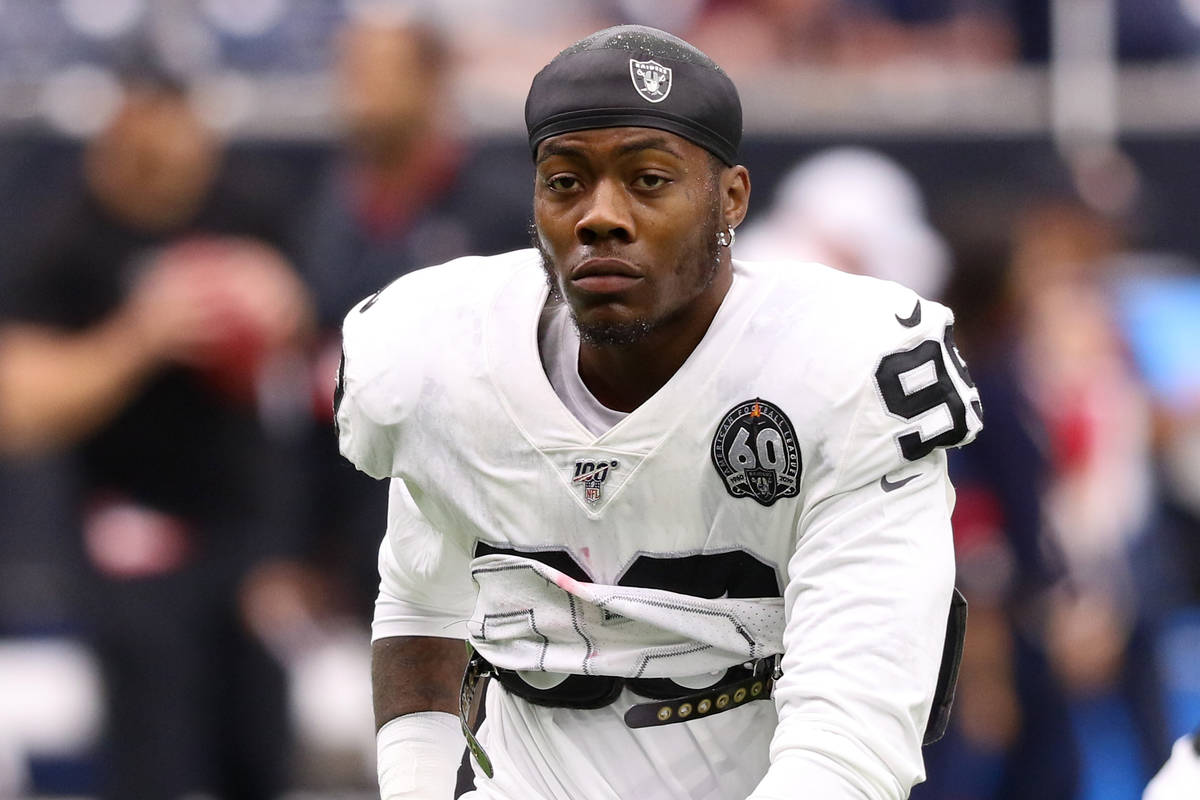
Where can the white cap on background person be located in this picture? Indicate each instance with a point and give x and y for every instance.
(854, 209)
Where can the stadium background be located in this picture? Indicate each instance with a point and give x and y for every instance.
(1055, 145)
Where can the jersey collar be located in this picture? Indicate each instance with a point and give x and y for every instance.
(515, 367)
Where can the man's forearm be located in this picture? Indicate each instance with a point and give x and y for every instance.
(415, 673)
(57, 387)
(415, 683)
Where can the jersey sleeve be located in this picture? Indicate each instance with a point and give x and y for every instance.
(393, 353)
(871, 578)
(373, 381)
(425, 587)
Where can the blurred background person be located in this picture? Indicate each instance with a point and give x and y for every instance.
(1104, 501)
(1012, 736)
(139, 339)
(402, 189)
(405, 189)
(1154, 298)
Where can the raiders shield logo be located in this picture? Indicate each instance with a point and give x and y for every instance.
(755, 452)
(591, 475)
(651, 79)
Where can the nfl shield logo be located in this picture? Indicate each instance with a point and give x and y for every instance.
(651, 79)
(592, 474)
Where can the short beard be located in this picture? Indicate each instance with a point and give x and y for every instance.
(615, 334)
(626, 334)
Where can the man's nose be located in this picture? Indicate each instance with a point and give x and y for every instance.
(608, 214)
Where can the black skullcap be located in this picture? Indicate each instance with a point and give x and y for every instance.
(632, 75)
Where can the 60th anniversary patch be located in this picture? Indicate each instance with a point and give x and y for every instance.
(754, 450)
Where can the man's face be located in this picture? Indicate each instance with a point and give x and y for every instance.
(626, 220)
(156, 162)
(388, 87)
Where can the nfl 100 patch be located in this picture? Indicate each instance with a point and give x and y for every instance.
(651, 79)
(755, 452)
(591, 475)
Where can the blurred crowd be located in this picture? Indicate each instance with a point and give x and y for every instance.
(743, 35)
(187, 567)
(53, 53)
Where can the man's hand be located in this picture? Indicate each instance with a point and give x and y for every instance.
(204, 298)
(177, 313)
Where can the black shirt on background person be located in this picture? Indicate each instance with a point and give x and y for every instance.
(137, 341)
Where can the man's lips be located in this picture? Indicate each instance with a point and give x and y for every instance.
(604, 275)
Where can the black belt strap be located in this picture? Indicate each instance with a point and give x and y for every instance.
(705, 703)
(754, 680)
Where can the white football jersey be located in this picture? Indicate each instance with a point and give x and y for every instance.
(791, 472)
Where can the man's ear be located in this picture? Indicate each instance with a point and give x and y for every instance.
(735, 194)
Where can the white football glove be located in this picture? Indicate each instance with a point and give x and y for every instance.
(1179, 778)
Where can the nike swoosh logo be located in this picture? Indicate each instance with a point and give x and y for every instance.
(913, 319)
(891, 486)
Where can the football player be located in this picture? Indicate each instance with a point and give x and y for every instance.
(689, 514)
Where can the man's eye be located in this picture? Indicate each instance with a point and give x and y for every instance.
(651, 181)
(562, 183)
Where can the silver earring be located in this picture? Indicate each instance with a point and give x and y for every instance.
(725, 238)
